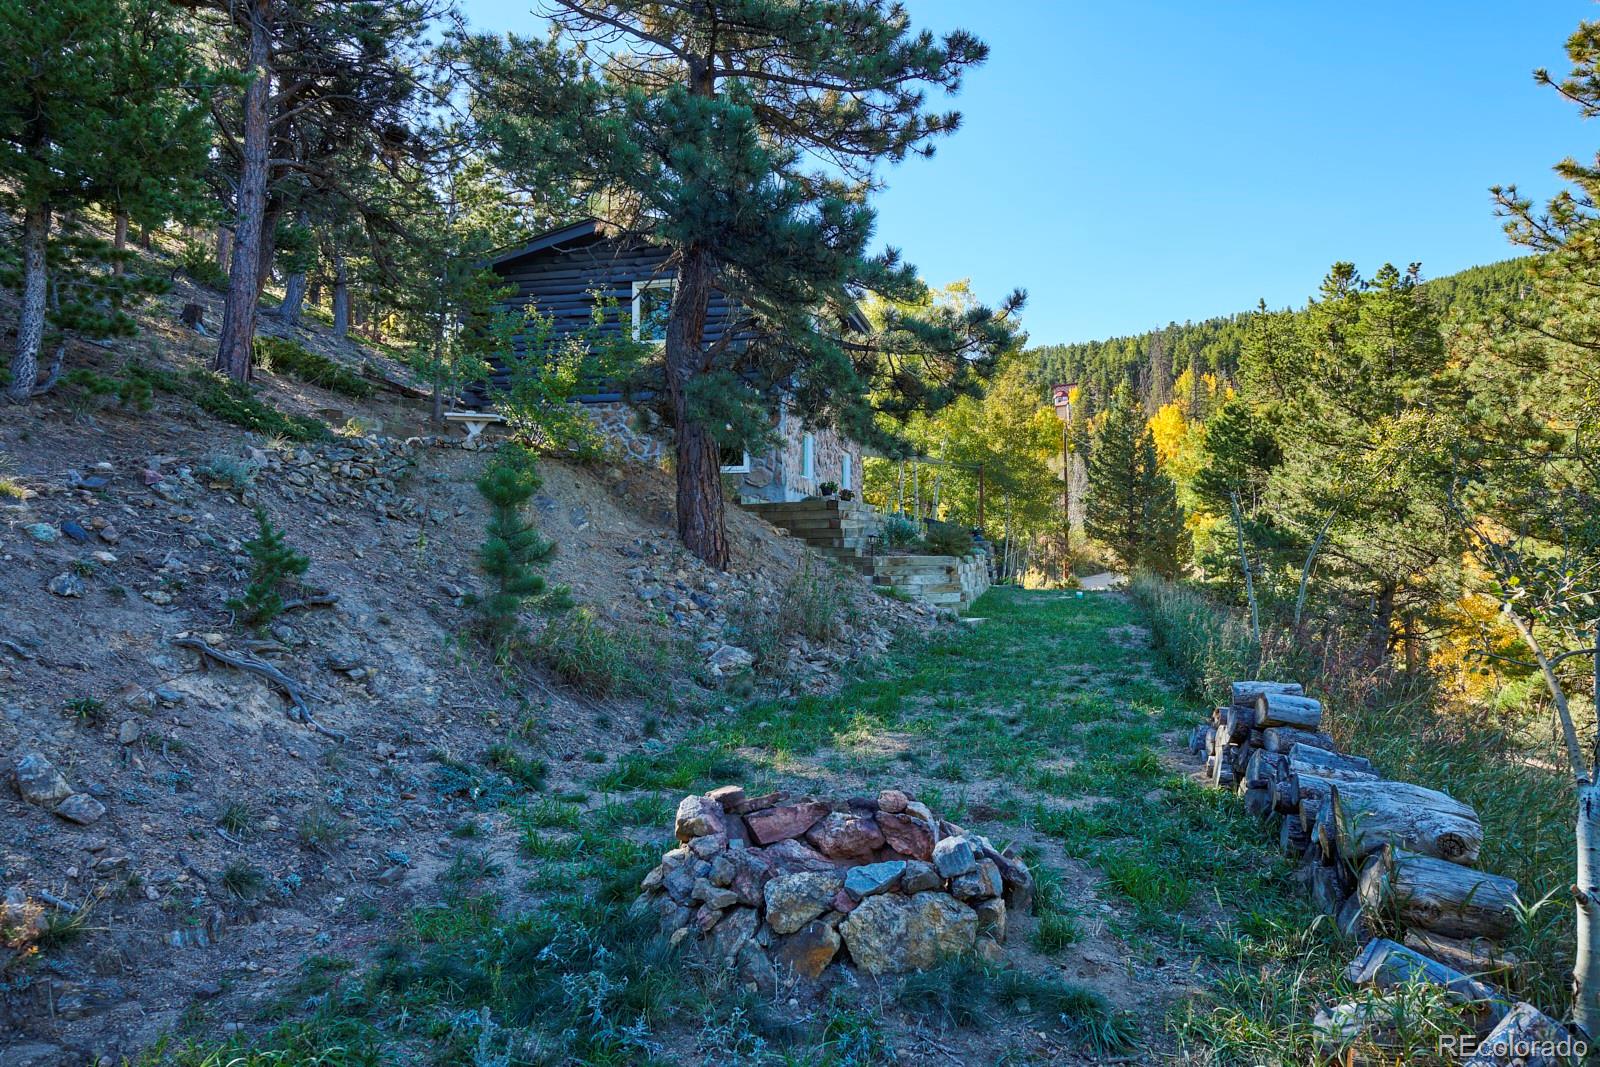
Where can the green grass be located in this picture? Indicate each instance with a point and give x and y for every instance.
(231, 402)
(1070, 716)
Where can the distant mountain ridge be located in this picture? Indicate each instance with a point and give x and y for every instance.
(1153, 360)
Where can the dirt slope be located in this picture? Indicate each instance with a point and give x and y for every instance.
(236, 842)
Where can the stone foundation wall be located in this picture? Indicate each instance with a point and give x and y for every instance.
(952, 582)
(630, 431)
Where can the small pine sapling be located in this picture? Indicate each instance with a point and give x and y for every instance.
(273, 564)
(512, 550)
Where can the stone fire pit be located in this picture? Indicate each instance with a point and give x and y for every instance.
(784, 887)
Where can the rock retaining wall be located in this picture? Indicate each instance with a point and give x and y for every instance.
(789, 889)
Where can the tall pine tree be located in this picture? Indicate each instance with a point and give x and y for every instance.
(96, 107)
(1132, 506)
(745, 135)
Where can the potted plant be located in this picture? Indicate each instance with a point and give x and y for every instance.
(847, 494)
(827, 489)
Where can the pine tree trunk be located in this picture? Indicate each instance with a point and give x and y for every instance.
(699, 460)
(341, 297)
(119, 242)
(245, 272)
(30, 324)
(1586, 969)
(1382, 622)
(224, 249)
(294, 297)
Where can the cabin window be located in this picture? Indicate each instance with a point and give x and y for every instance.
(652, 303)
(808, 456)
(845, 473)
(735, 461)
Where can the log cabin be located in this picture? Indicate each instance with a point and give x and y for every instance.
(561, 273)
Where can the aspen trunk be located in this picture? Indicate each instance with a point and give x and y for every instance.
(30, 325)
(1243, 694)
(237, 334)
(1281, 709)
(1586, 895)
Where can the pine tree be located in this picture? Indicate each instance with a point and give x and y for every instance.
(95, 108)
(704, 127)
(273, 564)
(512, 550)
(1132, 507)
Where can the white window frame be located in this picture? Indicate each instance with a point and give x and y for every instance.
(639, 288)
(808, 456)
(742, 467)
(846, 472)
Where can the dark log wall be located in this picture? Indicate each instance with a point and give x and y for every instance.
(564, 281)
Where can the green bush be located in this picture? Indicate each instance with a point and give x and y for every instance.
(283, 356)
(901, 530)
(197, 261)
(230, 401)
(947, 538)
(273, 565)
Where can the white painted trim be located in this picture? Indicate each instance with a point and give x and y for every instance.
(740, 468)
(638, 290)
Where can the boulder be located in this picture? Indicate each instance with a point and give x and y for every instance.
(982, 883)
(795, 899)
(786, 821)
(991, 918)
(873, 878)
(81, 808)
(893, 801)
(792, 855)
(846, 837)
(892, 934)
(954, 857)
(698, 816)
(808, 951)
(907, 835)
(920, 877)
(39, 782)
(737, 927)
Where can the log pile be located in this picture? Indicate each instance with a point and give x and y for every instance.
(1375, 854)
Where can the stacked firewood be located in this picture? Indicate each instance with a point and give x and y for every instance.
(1374, 853)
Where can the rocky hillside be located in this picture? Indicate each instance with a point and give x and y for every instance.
(189, 810)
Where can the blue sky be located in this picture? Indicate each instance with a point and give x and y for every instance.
(1133, 163)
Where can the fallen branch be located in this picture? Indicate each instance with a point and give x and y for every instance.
(318, 600)
(301, 712)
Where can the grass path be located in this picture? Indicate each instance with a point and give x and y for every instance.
(1164, 932)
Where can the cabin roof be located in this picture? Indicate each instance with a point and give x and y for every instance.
(583, 229)
(591, 228)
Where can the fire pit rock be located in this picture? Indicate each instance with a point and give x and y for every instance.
(787, 888)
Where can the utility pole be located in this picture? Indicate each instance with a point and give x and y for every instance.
(1061, 397)
(980, 497)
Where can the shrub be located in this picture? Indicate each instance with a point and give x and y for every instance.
(197, 261)
(230, 401)
(283, 356)
(273, 565)
(512, 549)
(947, 538)
(900, 531)
(238, 474)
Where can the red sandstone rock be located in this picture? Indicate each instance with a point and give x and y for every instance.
(782, 823)
(846, 837)
(893, 801)
(910, 837)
